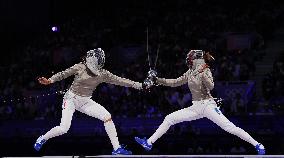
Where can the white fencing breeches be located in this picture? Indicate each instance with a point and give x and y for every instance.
(205, 108)
(87, 106)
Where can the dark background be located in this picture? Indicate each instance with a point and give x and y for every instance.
(245, 37)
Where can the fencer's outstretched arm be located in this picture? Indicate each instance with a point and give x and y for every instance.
(207, 78)
(174, 82)
(66, 73)
(60, 75)
(113, 79)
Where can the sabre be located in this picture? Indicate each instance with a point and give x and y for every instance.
(147, 46)
(148, 53)
(152, 73)
(157, 55)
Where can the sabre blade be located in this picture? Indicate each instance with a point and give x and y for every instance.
(157, 55)
(147, 46)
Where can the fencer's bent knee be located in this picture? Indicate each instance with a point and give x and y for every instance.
(107, 117)
(63, 129)
(107, 120)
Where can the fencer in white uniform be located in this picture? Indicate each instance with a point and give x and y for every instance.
(88, 75)
(200, 82)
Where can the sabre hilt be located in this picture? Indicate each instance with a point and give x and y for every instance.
(152, 74)
(151, 79)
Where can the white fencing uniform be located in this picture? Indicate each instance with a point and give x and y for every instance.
(200, 84)
(79, 95)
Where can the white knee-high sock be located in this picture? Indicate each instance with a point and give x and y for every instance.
(163, 128)
(244, 136)
(112, 134)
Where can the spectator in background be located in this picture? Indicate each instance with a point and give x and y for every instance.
(77, 34)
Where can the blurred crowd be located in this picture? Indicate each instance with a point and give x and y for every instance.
(174, 28)
(273, 84)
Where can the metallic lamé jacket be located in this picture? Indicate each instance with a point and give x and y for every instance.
(85, 82)
(199, 84)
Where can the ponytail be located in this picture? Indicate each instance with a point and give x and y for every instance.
(208, 57)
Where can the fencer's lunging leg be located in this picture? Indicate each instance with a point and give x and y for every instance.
(67, 113)
(213, 113)
(94, 109)
(185, 114)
